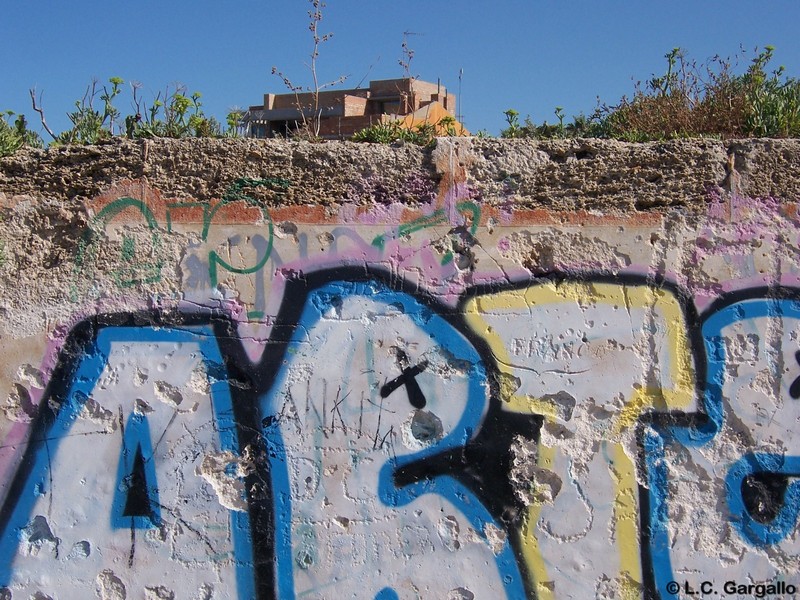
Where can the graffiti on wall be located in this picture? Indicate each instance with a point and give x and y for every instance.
(564, 434)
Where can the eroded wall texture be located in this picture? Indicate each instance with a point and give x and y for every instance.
(493, 369)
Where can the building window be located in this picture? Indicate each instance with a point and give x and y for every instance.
(258, 130)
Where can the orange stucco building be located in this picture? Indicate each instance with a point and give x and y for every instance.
(344, 112)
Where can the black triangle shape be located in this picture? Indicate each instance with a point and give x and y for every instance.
(137, 502)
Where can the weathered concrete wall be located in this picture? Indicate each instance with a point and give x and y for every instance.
(249, 369)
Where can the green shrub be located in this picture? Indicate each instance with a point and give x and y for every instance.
(182, 117)
(90, 125)
(423, 134)
(13, 137)
(773, 104)
(581, 126)
(10, 142)
(174, 115)
(392, 131)
(688, 100)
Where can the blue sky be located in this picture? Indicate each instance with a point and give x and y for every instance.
(528, 55)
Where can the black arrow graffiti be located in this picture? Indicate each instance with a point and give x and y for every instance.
(137, 502)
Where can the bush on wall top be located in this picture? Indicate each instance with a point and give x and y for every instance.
(688, 100)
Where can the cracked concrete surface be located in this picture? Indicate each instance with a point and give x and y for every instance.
(494, 368)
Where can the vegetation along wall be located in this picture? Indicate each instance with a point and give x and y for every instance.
(489, 369)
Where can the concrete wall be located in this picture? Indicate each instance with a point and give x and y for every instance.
(256, 369)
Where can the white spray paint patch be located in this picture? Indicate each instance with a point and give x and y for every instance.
(77, 542)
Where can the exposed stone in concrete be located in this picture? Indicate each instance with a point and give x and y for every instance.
(765, 168)
(80, 549)
(597, 174)
(37, 536)
(557, 174)
(319, 173)
(229, 488)
(158, 593)
(110, 587)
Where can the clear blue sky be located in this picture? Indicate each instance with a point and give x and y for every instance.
(529, 55)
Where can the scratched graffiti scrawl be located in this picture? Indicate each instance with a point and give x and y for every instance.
(430, 404)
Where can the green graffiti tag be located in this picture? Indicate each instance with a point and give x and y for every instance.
(438, 217)
(236, 192)
(133, 270)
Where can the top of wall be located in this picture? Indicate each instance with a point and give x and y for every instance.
(586, 174)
